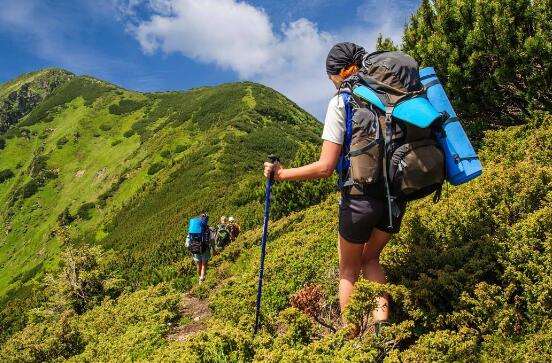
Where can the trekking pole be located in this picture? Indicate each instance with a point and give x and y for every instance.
(274, 160)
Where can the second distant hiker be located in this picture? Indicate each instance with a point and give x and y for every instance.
(222, 235)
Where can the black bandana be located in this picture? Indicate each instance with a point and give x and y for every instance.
(342, 55)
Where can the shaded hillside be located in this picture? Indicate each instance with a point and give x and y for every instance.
(94, 163)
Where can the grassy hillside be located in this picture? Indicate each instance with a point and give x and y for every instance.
(469, 279)
(19, 96)
(96, 183)
(96, 164)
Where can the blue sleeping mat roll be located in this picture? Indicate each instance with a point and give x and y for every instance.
(461, 160)
(196, 225)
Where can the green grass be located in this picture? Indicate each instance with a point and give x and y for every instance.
(143, 185)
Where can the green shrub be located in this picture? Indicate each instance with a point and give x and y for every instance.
(105, 127)
(128, 133)
(43, 342)
(85, 209)
(61, 141)
(116, 142)
(492, 80)
(180, 148)
(5, 175)
(65, 218)
(155, 167)
(126, 106)
(291, 196)
(102, 198)
(30, 189)
(2, 143)
(166, 154)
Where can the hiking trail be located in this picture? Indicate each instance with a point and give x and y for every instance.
(195, 313)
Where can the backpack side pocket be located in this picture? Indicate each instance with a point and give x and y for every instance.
(416, 169)
(366, 149)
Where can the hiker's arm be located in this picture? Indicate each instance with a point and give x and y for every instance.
(323, 168)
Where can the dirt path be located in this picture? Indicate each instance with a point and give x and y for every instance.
(196, 312)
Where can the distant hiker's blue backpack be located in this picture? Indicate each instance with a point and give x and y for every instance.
(198, 233)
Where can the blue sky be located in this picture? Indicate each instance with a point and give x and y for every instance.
(155, 45)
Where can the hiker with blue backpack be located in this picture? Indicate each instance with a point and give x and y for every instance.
(199, 241)
(392, 136)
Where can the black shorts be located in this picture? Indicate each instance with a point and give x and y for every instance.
(359, 215)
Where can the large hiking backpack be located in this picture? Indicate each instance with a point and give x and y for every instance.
(234, 230)
(390, 131)
(198, 233)
(223, 236)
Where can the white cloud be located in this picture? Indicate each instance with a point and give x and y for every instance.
(235, 35)
(230, 34)
(238, 36)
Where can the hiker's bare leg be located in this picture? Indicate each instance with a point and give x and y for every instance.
(372, 270)
(350, 260)
(203, 270)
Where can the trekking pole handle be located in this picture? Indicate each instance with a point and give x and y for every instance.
(272, 158)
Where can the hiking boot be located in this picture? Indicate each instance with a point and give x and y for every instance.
(201, 279)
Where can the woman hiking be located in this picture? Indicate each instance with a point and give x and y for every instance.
(363, 219)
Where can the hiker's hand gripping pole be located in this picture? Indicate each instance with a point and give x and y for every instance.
(274, 160)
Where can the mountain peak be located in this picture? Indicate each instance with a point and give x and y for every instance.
(21, 95)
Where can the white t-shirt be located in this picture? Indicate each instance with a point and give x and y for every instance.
(334, 123)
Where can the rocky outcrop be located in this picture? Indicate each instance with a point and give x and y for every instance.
(22, 100)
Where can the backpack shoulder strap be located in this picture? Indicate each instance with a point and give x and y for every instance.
(343, 163)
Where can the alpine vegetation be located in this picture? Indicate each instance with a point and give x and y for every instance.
(101, 186)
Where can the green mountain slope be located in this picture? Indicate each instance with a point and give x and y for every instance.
(93, 163)
(469, 276)
(19, 96)
(469, 279)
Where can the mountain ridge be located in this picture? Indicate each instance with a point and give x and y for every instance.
(91, 150)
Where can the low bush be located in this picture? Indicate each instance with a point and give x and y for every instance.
(84, 211)
(62, 141)
(128, 133)
(5, 175)
(180, 148)
(155, 167)
(65, 218)
(126, 106)
(105, 127)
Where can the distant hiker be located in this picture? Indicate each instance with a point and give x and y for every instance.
(199, 240)
(222, 235)
(234, 229)
(356, 136)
